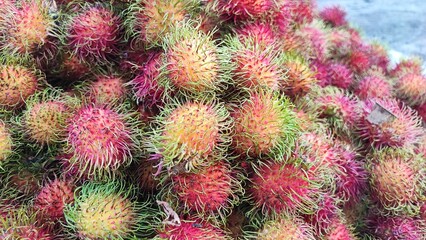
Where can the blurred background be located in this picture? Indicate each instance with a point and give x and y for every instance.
(398, 24)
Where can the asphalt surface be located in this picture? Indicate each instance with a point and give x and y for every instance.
(398, 24)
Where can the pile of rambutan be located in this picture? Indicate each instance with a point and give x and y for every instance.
(212, 119)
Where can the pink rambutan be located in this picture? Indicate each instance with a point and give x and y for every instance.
(358, 60)
(334, 15)
(262, 33)
(338, 230)
(281, 188)
(373, 86)
(324, 215)
(245, 9)
(379, 56)
(410, 65)
(192, 229)
(300, 11)
(398, 228)
(100, 140)
(340, 75)
(208, 192)
(93, 34)
(106, 89)
(53, 197)
(314, 43)
(411, 88)
(397, 181)
(386, 122)
(321, 73)
(286, 228)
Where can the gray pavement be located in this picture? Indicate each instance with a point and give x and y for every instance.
(399, 24)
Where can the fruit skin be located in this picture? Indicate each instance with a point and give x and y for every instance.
(193, 64)
(94, 150)
(192, 229)
(93, 34)
(210, 193)
(17, 84)
(53, 197)
(283, 188)
(6, 143)
(191, 134)
(286, 228)
(148, 22)
(107, 211)
(397, 228)
(334, 15)
(26, 27)
(403, 130)
(397, 180)
(411, 88)
(265, 125)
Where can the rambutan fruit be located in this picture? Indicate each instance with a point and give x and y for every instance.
(334, 15)
(192, 229)
(358, 60)
(265, 125)
(300, 11)
(146, 178)
(150, 21)
(191, 134)
(17, 84)
(324, 215)
(286, 228)
(255, 65)
(300, 78)
(23, 177)
(283, 188)
(261, 33)
(411, 65)
(145, 85)
(45, 117)
(107, 211)
(245, 9)
(320, 70)
(340, 75)
(53, 197)
(379, 56)
(93, 34)
(193, 64)
(26, 28)
(386, 122)
(313, 41)
(210, 193)
(339, 230)
(101, 139)
(106, 89)
(411, 88)
(398, 228)
(71, 70)
(6, 143)
(373, 86)
(397, 180)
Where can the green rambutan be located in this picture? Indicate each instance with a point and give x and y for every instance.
(191, 134)
(286, 228)
(102, 140)
(107, 211)
(17, 83)
(397, 180)
(265, 124)
(256, 65)
(193, 64)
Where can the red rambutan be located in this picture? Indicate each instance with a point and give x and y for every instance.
(334, 15)
(373, 86)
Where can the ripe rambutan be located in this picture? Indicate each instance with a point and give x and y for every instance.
(379, 56)
(150, 21)
(193, 64)
(300, 11)
(300, 78)
(245, 9)
(398, 228)
(145, 85)
(340, 75)
(71, 70)
(53, 197)
(324, 215)
(265, 124)
(17, 84)
(373, 86)
(411, 88)
(44, 120)
(93, 34)
(101, 140)
(256, 65)
(314, 42)
(191, 135)
(283, 188)
(26, 27)
(320, 70)
(192, 229)
(107, 211)
(210, 192)
(410, 65)
(358, 60)
(334, 15)
(261, 33)
(397, 180)
(6, 143)
(384, 122)
(286, 228)
(339, 230)
(106, 89)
